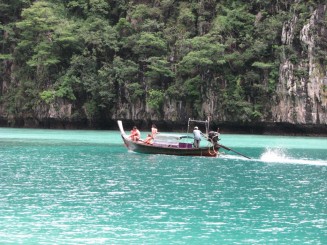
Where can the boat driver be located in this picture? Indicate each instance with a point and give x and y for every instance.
(197, 137)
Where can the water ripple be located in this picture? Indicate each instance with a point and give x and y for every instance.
(70, 193)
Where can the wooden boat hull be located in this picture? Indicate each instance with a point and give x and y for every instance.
(140, 147)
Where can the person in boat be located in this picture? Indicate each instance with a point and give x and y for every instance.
(197, 137)
(148, 140)
(154, 131)
(135, 134)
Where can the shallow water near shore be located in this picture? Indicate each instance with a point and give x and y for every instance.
(85, 187)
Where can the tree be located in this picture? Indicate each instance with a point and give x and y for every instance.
(203, 59)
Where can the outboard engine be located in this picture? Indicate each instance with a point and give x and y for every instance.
(214, 138)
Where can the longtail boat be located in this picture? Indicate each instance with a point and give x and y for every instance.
(175, 144)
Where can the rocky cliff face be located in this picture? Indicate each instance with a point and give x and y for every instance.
(301, 93)
(300, 96)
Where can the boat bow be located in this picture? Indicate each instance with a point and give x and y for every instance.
(121, 128)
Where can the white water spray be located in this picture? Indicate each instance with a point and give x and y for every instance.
(278, 155)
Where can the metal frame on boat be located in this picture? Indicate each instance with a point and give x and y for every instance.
(173, 144)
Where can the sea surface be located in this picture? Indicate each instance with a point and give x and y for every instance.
(85, 187)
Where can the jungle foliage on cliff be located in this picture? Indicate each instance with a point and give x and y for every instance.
(148, 59)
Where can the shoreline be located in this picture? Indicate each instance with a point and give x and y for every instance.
(257, 128)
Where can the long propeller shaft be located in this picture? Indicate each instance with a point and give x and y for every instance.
(229, 149)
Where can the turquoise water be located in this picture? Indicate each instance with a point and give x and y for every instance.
(84, 187)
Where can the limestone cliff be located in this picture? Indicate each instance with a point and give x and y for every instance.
(243, 63)
(302, 89)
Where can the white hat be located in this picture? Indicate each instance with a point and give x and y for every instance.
(196, 127)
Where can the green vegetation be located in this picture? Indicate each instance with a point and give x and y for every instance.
(105, 55)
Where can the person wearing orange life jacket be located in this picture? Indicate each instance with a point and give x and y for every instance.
(148, 139)
(135, 134)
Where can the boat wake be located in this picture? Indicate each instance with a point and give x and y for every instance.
(234, 157)
(279, 156)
